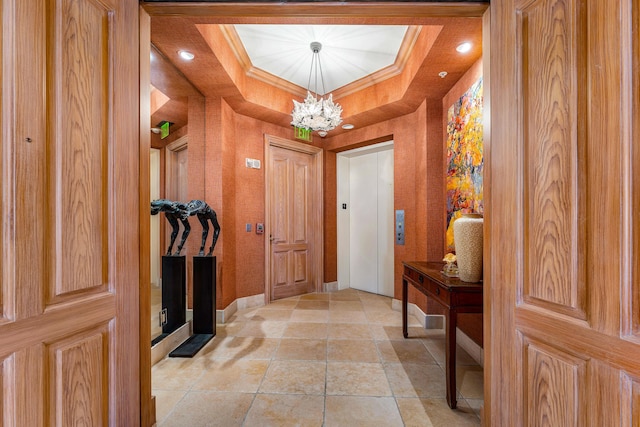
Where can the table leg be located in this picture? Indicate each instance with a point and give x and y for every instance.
(405, 332)
(451, 319)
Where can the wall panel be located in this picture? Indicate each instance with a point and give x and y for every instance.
(78, 154)
(552, 159)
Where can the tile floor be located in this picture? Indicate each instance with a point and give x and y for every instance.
(334, 359)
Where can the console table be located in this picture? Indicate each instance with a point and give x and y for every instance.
(454, 295)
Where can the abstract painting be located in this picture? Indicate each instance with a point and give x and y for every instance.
(464, 157)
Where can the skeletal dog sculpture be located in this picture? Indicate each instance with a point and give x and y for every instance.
(177, 211)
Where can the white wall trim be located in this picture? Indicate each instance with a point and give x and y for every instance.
(223, 316)
(170, 343)
(331, 287)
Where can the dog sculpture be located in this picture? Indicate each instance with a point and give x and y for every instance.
(176, 211)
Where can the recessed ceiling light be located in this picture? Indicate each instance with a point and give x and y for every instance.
(186, 55)
(464, 47)
(443, 74)
(348, 126)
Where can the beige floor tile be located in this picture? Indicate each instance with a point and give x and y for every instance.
(382, 332)
(357, 379)
(387, 317)
(382, 305)
(272, 314)
(306, 330)
(176, 373)
(301, 349)
(476, 405)
(352, 351)
(414, 380)
(436, 347)
(284, 363)
(243, 348)
(229, 329)
(263, 329)
(435, 413)
(282, 303)
(204, 408)
(345, 295)
(166, 401)
(470, 381)
(355, 305)
(368, 296)
(312, 305)
(315, 297)
(236, 375)
(357, 411)
(405, 351)
(294, 377)
(244, 315)
(310, 316)
(271, 410)
(349, 331)
(344, 316)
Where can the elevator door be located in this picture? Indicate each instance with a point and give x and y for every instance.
(371, 222)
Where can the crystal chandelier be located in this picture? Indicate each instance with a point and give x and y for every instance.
(315, 113)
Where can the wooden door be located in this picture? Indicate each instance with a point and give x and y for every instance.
(562, 214)
(69, 327)
(294, 203)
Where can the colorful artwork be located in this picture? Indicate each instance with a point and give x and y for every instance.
(464, 157)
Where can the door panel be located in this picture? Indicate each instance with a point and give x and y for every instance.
(69, 159)
(559, 214)
(77, 147)
(363, 224)
(293, 218)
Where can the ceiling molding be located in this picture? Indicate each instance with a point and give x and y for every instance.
(241, 55)
(404, 52)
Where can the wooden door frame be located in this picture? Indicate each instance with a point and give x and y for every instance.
(317, 211)
(275, 13)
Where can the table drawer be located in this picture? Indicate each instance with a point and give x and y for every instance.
(428, 287)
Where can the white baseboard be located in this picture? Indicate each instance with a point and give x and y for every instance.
(223, 316)
(170, 343)
(331, 287)
(470, 346)
(436, 321)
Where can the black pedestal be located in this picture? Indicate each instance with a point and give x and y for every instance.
(204, 307)
(204, 295)
(174, 291)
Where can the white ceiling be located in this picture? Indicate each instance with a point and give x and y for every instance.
(349, 52)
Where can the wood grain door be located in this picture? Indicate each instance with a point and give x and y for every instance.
(69, 328)
(562, 214)
(294, 194)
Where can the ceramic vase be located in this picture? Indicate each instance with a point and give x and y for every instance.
(467, 237)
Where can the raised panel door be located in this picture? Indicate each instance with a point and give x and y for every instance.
(70, 236)
(559, 223)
